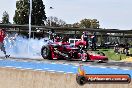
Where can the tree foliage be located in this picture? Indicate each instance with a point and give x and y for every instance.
(87, 23)
(76, 25)
(5, 18)
(94, 23)
(54, 21)
(22, 12)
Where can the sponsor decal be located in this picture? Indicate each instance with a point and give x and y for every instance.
(83, 78)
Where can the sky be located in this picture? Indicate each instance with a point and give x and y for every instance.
(115, 14)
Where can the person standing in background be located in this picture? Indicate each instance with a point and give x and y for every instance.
(93, 40)
(84, 37)
(2, 37)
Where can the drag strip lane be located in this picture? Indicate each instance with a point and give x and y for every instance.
(65, 68)
(39, 66)
(109, 64)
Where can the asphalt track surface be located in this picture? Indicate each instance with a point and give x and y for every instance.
(68, 66)
(109, 64)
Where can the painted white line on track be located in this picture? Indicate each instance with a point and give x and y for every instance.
(103, 67)
(53, 63)
(25, 61)
(51, 70)
(46, 68)
(27, 68)
(38, 62)
(126, 69)
(60, 71)
(13, 60)
(91, 66)
(18, 67)
(38, 69)
(114, 68)
(65, 64)
(69, 72)
(74, 67)
(8, 66)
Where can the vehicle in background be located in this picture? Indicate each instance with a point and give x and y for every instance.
(106, 45)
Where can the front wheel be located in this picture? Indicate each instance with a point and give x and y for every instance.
(84, 57)
(67, 56)
(46, 52)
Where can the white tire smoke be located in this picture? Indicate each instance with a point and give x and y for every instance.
(18, 47)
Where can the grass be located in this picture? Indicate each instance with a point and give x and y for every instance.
(113, 56)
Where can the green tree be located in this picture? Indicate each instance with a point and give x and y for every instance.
(85, 23)
(22, 12)
(89, 23)
(5, 18)
(76, 25)
(94, 23)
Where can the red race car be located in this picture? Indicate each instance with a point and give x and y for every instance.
(59, 50)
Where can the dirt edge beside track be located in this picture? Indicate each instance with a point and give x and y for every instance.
(20, 78)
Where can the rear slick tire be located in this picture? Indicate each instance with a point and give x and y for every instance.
(46, 52)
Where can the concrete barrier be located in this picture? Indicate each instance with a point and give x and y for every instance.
(19, 78)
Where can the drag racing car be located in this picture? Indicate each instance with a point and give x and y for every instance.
(67, 51)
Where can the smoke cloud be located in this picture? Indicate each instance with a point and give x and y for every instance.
(22, 47)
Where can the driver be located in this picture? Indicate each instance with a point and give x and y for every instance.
(65, 39)
(93, 39)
